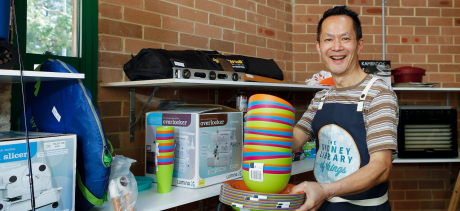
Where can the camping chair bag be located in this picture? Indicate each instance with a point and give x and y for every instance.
(71, 100)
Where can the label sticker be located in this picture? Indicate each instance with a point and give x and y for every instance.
(201, 183)
(179, 64)
(253, 199)
(237, 205)
(157, 153)
(54, 145)
(283, 205)
(256, 172)
(260, 196)
(56, 114)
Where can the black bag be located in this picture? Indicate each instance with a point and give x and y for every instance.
(264, 67)
(158, 63)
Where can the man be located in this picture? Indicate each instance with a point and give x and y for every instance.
(354, 125)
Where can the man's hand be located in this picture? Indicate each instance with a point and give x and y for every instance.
(374, 173)
(315, 193)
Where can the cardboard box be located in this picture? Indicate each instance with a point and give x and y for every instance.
(53, 158)
(370, 67)
(309, 149)
(209, 143)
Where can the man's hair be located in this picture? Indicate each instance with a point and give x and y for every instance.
(341, 10)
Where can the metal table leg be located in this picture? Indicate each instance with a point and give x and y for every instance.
(220, 206)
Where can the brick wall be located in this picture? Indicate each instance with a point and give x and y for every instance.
(423, 33)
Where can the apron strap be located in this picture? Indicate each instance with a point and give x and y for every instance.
(364, 94)
(366, 202)
(323, 98)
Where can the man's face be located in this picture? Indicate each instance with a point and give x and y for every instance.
(338, 46)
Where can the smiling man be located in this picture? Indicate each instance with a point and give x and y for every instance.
(354, 125)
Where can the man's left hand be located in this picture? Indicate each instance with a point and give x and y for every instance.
(315, 193)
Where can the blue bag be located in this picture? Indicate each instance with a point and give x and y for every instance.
(66, 107)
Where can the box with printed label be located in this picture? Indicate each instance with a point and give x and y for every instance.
(309, 149)
(53, 158)
(378, 68)
(209, 143)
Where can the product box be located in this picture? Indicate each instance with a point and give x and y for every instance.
(53, 158)
(309, 149)
(296, 156)
(209, 143)
(379, 68)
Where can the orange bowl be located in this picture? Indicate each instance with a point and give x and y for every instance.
(328, 81)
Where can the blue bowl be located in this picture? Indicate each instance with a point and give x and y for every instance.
(143, 183)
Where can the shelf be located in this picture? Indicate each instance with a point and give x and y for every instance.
(426, 89)
(14, 76)
(150, 200)
(193, 83)
(302, 166)
(428, 160)
(241, 85)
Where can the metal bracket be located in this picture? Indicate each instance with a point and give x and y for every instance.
(289, 94)
(452, 177)
(233, 97)
(448, 98)
(132, 115)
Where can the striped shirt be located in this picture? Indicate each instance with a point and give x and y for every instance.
(380, 112)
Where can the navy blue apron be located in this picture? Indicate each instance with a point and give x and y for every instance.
(341, 150)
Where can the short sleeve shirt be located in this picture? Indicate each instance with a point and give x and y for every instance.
(380, 112)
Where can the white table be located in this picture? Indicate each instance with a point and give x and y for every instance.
(150, 200)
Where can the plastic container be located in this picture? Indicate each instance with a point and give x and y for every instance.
(143, 183)
(5, 9)
(408, 74)
(242, 102)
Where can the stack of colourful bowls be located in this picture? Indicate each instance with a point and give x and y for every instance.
(268, 140)
(164, 158)
(236, 194)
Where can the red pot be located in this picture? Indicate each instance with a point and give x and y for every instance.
(408, 74)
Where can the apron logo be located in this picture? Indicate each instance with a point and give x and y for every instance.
(337, 156)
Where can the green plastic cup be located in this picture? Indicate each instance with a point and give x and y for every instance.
(166, 153)
(165, 141)
(165, 128)
(164, 178)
